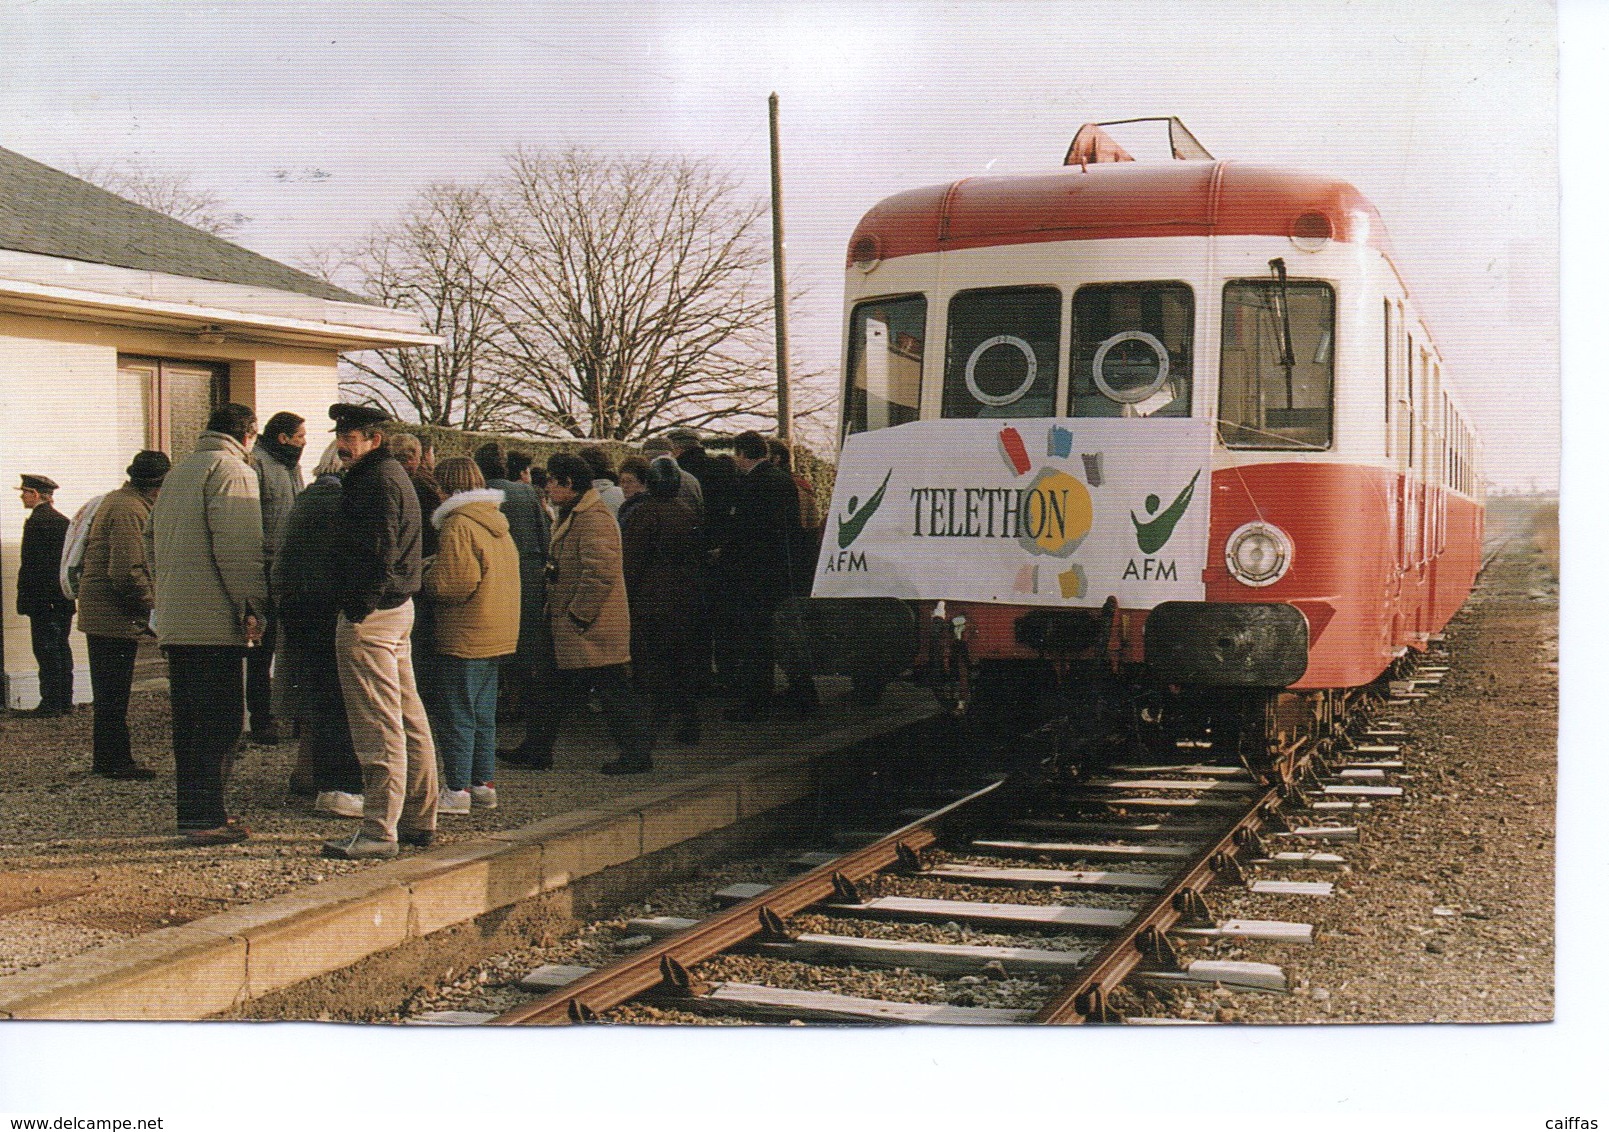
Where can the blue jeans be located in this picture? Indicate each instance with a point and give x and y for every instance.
(468, 740)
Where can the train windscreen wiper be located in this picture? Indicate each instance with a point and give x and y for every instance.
(1287, 349)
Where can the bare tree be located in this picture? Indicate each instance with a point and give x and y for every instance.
(172, 194)
(431, 261)
(630, 293)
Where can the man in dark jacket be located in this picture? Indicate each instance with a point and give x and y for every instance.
(278, 458)
(306, 584)
(662, 556)
(754, 563)
(411, 453)
(39, 596)
(381, 537)
(717, 486)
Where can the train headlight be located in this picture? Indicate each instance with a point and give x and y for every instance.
(866, 253)
(1258, 554)
(1312, 231)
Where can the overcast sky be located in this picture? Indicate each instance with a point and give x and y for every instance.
(317, 119)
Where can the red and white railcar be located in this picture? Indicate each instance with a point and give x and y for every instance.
(1185, 414)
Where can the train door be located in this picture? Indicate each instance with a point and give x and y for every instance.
(1407, 529)
(1427, 457)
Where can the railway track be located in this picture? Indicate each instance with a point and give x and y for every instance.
(1096, 889)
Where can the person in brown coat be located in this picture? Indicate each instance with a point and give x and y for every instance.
(591, 624)
(474, 584)
(114, 610)
(664, 562)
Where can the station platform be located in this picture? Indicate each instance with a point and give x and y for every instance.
(104, 913)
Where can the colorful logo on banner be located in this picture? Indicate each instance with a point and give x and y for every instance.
(924, 512)
(1056, 510)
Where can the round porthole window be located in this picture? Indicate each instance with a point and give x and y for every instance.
(1000, 369)
(1130, 366)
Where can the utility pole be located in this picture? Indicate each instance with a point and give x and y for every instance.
(779, 283)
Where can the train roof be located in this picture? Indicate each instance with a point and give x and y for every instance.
(1113, 200)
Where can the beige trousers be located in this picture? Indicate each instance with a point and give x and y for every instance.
(390, 733)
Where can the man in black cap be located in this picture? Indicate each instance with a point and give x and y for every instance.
(381, 540)
(114, 609)
(39, 596)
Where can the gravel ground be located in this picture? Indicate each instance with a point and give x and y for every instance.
(1444, 911)
(85, 861)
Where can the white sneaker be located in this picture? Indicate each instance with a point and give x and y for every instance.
(484, 796)
(339, 803)
(453, 802)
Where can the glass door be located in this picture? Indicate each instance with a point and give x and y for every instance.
(176, 398)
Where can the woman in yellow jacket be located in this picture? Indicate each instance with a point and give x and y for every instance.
(474, 584)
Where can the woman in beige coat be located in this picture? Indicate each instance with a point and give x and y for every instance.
(591, 625)
(474, 585)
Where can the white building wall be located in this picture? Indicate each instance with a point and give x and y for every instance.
(57, 418)
(306, 388)
(65, 413)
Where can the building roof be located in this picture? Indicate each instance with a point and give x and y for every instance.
(1112, 201)
(47, 212)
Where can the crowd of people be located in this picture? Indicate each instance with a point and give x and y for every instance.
(381, 612)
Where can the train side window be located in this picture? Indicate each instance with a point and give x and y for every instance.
(1262, 402)
(885, 363)
(1131, 350)
(1001, 354)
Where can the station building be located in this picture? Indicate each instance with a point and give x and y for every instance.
(121, 329)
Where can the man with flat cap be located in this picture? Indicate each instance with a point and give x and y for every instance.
(114, 609)
(382, 535)
(39, 595)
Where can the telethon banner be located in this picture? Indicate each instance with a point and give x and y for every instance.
(1037, 511)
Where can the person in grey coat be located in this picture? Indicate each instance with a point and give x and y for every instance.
(204, 548)
(278, 456)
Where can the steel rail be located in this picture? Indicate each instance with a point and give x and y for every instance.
(668, 959)
(1493, 553)
(1084, 998)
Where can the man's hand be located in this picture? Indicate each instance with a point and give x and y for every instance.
(254, 629)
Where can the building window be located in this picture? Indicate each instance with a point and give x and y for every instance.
(885, 363)
(176, 398)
